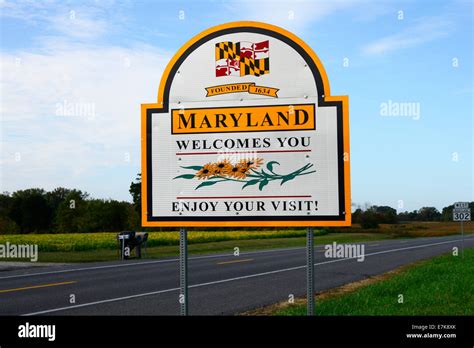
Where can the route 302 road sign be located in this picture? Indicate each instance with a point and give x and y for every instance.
(461, 212)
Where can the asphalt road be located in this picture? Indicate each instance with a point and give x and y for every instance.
(219, 284)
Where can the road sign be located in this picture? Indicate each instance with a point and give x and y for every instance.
(461, 205)
(462, 214)
(245, 133)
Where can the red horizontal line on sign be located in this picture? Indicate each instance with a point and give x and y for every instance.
(224, 197)
(227, 152)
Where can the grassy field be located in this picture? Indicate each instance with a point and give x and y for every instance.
(423, 229)
(205, 248)
(107, 240)
(83, 247)
(440, 286)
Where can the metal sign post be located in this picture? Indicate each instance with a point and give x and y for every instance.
(310, 270)
(461, 213)
(121, 239)
(183, 270)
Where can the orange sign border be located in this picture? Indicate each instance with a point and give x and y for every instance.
(250, 223)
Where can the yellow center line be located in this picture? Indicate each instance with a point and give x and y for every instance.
(37, 286)
(235, 261)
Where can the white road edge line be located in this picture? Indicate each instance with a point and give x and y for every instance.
(168, 260)
(229, 279)
(102, 301)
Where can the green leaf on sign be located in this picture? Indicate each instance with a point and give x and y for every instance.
(287, 178)
(263, 183)
(193, 167)
(270, 165)
(265, 174)
(206, 183)
(251, 182)
(185, 176)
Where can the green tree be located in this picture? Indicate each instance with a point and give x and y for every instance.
(70, 212)
(386, 214)
(369, 219)
(57, 196)
(30, 210)
(7, 225)
(429, 214)
(104, 216)
(356, 216)
(375, 215)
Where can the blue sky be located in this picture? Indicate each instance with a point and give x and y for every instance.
(105, 58)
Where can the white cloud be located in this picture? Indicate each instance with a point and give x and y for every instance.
(58, 149)
(425, 30)
(294, 15)
(71, 67)
(74, 20)
(74, 24)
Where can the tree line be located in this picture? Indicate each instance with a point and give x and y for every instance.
(65, 210)
(374, 215)
(62, 210)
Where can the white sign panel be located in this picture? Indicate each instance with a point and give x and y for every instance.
(461, 205)
(462, 214)
(245, 133)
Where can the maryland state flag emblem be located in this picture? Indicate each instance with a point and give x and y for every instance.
(242, 58)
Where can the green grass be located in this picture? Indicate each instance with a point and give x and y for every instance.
(203, 248)
(102, 246)
(443, 285)
(107, 240)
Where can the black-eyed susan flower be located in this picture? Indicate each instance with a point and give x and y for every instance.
(244, 169)
(222, 168)
(251, 163)
(239, 171)
(206, 171)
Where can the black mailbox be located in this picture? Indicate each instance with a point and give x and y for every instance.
(129, 240)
